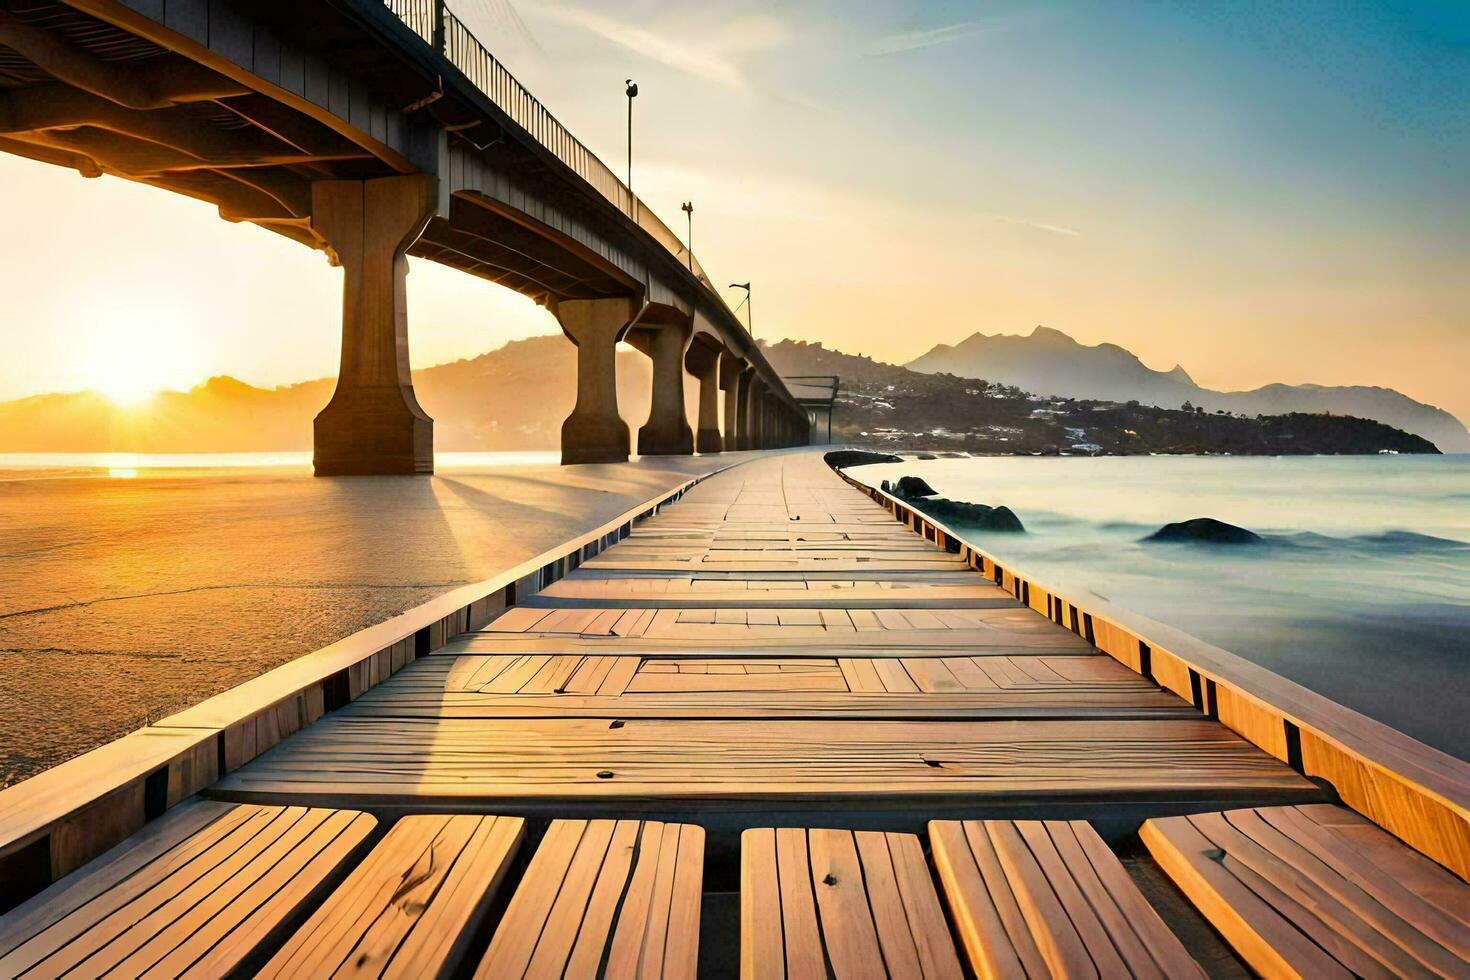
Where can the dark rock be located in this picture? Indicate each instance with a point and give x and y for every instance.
(914, 486)
(981, 516)
(1207, 530)
(839, 458)
(926, 456)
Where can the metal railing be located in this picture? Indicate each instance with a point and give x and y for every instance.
(420, 15)
(437, 25)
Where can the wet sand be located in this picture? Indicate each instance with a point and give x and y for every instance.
(123, 600)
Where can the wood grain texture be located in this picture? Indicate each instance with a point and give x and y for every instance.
(855, 904)
(617, 898)
(1304, 891)
(193, 895)
(411, 908)
(1047, 898)
(424, 759)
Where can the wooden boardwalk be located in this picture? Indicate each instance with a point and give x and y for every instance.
(774, 641)
(772, 733)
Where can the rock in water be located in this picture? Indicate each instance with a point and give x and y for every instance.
(1003, 518)
(839, 458)
(914, 486)
(1205, 529)
(981, 516)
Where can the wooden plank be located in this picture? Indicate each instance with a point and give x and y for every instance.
(411, 907)
(1258, 933)
(848, 933)
(895, 679)
(1082, 915)
(604, 897)
(451, 758)
(1055, 932)
(516, 675)
(977, 915)
(1315, 910)
(1132, 922)
(762, 948)
(861, 675)
(647, 682)
(802, 935)
(195, 894)
(620, 675)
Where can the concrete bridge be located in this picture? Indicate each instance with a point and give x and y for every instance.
(376, 130)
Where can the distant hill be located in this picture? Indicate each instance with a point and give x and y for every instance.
(893, 407)
(515, 399)
(511, 399)
(1051, 362)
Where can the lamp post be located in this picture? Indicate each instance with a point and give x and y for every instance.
(632, 93)
(688, 208)
(749, 307)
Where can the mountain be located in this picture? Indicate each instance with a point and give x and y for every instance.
(511, 399)
(893, 407)
(1051, 362)
(515, 399)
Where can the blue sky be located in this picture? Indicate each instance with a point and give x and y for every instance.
(1258, 191)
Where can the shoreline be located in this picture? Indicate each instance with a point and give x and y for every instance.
(1339, 595)
(128, 599)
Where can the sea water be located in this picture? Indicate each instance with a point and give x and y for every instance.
(1360, 590)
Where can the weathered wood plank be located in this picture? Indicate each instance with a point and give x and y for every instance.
(863, 904)
(1048, 898)
(195, 894)
(411, 907)
(1293, 894)
(604, 897)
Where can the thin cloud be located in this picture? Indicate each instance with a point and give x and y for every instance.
(1028, 223)
(714, 60)
(905, 41)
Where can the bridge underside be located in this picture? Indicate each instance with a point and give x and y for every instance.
(268, 129)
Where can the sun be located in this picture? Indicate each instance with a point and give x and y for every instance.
(130, 362)
(127, 391)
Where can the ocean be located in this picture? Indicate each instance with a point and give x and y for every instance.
(31, 466)
(1360, 591)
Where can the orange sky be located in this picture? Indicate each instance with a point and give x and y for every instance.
(904, 182)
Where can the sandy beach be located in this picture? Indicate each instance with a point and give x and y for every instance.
(123, 599)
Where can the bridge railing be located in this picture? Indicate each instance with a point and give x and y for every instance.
(438, 26)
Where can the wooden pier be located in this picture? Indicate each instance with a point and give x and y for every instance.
(773, 731)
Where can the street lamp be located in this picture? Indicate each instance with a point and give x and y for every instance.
(688, 208)
(749, 306)
(632, 92)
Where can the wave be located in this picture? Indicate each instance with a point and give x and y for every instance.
(1380, 542)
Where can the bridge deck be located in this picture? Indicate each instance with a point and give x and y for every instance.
(773, 642)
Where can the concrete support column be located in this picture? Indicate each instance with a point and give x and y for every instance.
(755, 420)
(667, 432)
(744, 386)
(704, 363)
(373, 424)
(730, 368)
(594, 432)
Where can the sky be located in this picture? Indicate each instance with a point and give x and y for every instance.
(1257, 191)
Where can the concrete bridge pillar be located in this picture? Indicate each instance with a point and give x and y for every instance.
(730, 368)
(745, 395)
(373, 424)
(667, 432)
(595, 432)
(703, 362)
(756, 421)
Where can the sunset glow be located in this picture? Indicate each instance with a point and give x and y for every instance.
(130, 362)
